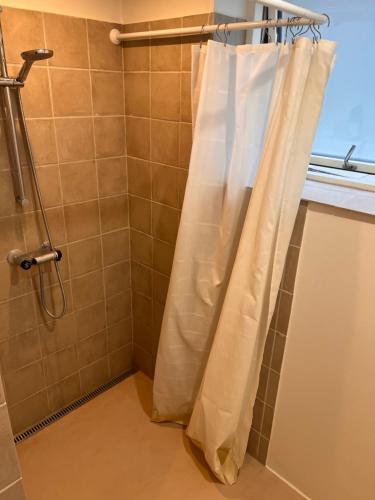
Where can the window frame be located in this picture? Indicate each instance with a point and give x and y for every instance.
(338, 163)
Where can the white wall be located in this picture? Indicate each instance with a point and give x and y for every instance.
(147, 10)
(104, 10)
(131, 11)
(323, 438)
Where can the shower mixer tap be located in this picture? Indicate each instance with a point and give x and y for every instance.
(41, 256)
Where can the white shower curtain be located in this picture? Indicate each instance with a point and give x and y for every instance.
(258, 109)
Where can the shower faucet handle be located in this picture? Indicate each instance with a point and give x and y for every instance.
(27, 260)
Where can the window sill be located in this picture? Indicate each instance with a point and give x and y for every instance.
(341, 188)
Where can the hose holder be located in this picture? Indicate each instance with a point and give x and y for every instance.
(27, 260)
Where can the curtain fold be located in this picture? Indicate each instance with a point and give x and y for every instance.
(257, 109)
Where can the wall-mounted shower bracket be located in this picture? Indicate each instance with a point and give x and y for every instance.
(10, 82)
(27, 260)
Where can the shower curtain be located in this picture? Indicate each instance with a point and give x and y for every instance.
(256, 109)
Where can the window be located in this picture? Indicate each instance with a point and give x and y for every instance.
(348, 115)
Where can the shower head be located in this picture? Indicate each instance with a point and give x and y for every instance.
(30, 56)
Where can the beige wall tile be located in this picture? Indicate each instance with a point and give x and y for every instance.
(109, 136)
(60, 364)
(120, 361)
(268, 348)
(49, 181)
(138, 137)
(166, 53)
(142, 332)
(11, 235)
(115, 246)
(111, 176)
(85, 256)
(164, 142)
(92, 348)
(75, 139)
(114, 213)
(296, 238)
(118, 307)
(107, 93)
(42, 138)
(9, 470)
(160, 287)
(29, 411)
(78, 181)
(90, 320)
(137, 93)
(186, 97)
(163, 257)
(262, 386)
(185, 145)
(117, 278)
(94, 375)
(165, 184)
(23, 29)
(165, 96)
(64, 392)
(165, 221)
(136, 53)
(103, 53)
(34, 230)
(14, 281)
(290, 269)
(140, 214)
(263, 449)
(139, 177)
(141, 279)
(143, 360)
(182, 178)
(56, 335)
(82, 220)
(273, 382)
(88, 289)
(67, 37)
(141, 248)
(278, 352)
(53, 301)
(24, 382)
(14, 492)
(284, 312)
(71, 92)
(16, 316)
(35, 94)
(120, 334)
(8, 202)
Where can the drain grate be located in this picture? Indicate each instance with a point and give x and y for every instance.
(18, 438)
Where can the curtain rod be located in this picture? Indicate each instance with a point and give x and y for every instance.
(117, 37)
(306, 17)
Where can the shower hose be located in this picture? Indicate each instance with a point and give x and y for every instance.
(44, 216)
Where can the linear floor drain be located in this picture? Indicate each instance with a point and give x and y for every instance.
(18, 438)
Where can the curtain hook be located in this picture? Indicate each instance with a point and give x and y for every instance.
(201, 33)
(227, 34)
(286, 31)
(328, 19)
(217, 32)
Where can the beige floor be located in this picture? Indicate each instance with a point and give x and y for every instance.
(109, 450)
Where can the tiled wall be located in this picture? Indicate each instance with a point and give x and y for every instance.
(159, 136)
(158, 126)
(274, 350)
(10, 476)
(75, 110)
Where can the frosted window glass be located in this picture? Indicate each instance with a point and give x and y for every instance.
(348, 115)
